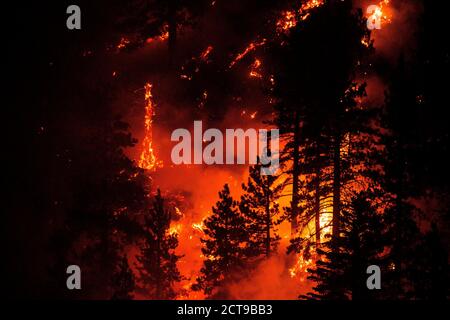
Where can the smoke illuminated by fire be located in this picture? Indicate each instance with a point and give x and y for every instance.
(190, 227)
(382, 12)
(251, 47)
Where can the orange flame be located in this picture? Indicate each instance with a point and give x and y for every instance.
(291, 18)
(123, 43)
(382, 12)
(148, 159)
(252, 46)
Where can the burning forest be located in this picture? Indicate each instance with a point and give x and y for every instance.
(345, 92)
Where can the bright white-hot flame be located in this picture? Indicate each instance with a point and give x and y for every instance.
(176, 229)
(198, 226)
(300, 269)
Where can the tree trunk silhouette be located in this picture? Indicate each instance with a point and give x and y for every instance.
(317, 206)
(336, 184)
(295, 176)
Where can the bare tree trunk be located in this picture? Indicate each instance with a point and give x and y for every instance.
(268, 224)
(317, 206)
(159, 288)
(295, 177)
(337, 185)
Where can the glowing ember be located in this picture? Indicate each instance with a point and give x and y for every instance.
(205, 54)
(381, 13)
(162, 37)
(176, 229)
(123, 43)
(291, 18)
(252, 46)
(198, 226)
(365, 42)
(300, 269)
(255, 69)
(148, 159)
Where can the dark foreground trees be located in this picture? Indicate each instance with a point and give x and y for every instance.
(157, 261)
(260, 208)
(340, 272)
(223, 246)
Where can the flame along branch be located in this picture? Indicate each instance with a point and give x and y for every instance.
(148, 159)
(291, 18)
(251, 47)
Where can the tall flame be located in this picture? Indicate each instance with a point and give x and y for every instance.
(148, 159)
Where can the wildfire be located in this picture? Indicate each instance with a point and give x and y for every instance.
(148, 159)
(162, 37)
(252, 46)
(198, 226)
(365, 41)
(291, 18)
(382, 12)
(123, 43)
(254, 72)
(325, 222)
(205, 54)
(250, 115)
(300, 269)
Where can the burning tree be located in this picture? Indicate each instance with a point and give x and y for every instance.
(224, 246)
(157, 260)
(315, 95)
(146, 19)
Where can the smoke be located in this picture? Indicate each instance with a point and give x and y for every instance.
(271, 280)
(398, 35)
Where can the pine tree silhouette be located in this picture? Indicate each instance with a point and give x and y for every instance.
(157, 261)
(340, 273)
(401, 184)
(223, 247)
(123, 281)
(315, 102)
(261, 210)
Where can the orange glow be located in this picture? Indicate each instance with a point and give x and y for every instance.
(300, 269)
(162, 37)
(382, 13)
(290, 18)
(205, 54)
(252, 46)
(123, 43)
(254, 72)
(148, 159)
